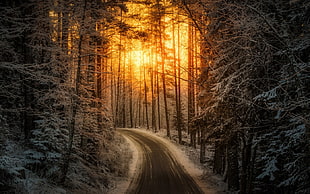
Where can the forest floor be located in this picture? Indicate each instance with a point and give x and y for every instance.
(187, 156)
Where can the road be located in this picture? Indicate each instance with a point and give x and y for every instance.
(160, 171)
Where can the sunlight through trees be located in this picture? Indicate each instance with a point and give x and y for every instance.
(154, 45)
(230, 79)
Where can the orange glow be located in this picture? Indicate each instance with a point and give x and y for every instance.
(144, 52)
(138, 58)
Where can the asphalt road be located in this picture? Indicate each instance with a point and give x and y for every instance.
(160, 172)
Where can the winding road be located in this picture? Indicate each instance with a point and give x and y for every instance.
(160, 172)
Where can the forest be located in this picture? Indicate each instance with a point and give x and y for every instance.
(230, 78)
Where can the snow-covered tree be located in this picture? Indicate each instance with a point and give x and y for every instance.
(254, 96)
(53, 115)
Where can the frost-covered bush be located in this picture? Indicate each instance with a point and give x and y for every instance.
(282, 159)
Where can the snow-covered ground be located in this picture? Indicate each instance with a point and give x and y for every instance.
(186, 156)
(122, 184)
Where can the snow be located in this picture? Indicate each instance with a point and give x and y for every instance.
(212, 185)
(122, 185)
(267, 95)
(270, 169)
(278, 114)
(13, 162)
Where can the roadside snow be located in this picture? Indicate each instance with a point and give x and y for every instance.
(122, 185)
(213, 182)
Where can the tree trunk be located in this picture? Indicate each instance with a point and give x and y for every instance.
(202, 147)
(176, 86)
(233, 166)
(191, 87)
(247, 165)
(158, 98)
(131, 115)
(179, 84)
(74, 102)
(145, 100)
(154, 125)
(162, 51)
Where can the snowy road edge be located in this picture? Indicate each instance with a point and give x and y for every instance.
(122, 186)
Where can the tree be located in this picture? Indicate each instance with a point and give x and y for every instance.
(240, 77)
(56, 92)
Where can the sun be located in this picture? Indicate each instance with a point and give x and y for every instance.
(138, 58)
(139, 55)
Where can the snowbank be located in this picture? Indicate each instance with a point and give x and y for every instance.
(122, 184)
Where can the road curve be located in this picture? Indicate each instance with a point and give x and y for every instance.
(160, 172)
